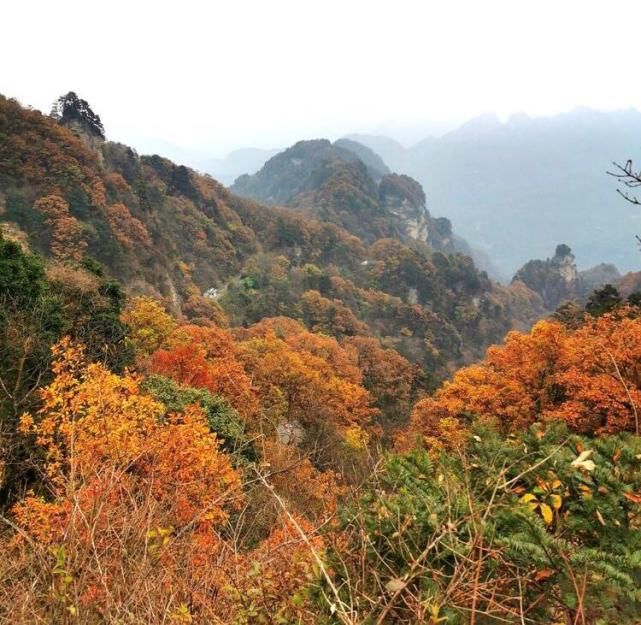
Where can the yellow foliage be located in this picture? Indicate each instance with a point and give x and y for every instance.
(149, 325)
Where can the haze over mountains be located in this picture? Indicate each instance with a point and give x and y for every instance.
(512, 188)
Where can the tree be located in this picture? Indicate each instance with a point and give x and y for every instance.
(31, 319)
(603, 300)
(222, 419)
(588, 377)
(70, 108)
(206, 357)
(309, 385)
(67, 237)
(388, 376)
(630, 178)
(149, 326)
(138, 512)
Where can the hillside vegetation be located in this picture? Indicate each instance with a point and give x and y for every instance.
(167, 231)
(214, 411)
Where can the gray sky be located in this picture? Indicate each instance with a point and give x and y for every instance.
(212, 76)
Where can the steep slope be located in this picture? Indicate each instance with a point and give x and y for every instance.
(293, 171)
(164, 230)
(511, 188)
(156, 225)
(332, 182)
(558, 280)
(369, 158)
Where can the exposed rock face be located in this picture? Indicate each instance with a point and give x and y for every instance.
(404, 198)
(564, 262)
(557, 279)
(347, 184)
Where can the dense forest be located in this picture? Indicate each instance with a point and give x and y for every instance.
(305, 405)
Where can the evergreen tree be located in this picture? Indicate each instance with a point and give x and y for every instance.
(70, 108)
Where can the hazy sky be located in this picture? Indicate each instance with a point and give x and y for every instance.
(213, 75)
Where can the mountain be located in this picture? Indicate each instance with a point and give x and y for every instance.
(511, 188)
(332, 182)
(558, 280)
(374, 163)
(299, 169)
(165, 230)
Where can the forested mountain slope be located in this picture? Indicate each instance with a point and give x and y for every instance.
(262, 441)
(164, 230)
(347, 184)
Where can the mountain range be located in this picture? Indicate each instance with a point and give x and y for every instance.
(355, 252)
(511, 188)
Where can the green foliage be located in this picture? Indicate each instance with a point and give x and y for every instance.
(21, 275)
(442, 529)
(92, 306)
(603, 300)
(70, 108)
(31, 319)
(38, 306)
(223, 420)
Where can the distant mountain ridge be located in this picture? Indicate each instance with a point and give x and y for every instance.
(512, 188)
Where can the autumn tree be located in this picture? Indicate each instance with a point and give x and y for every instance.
(67, 238)
(137, 513)
(386, 374)
(207, 357)
(148, 325)
(587, 377)
(129, 231)
(309, 388)
(102, 440)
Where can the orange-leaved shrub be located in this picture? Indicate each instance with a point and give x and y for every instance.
(134, 520)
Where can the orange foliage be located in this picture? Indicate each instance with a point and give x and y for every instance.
(600, 374)
(38, 151)
(269, 583)
(128, 230)
(306, 490)
(330, 316)
(92, 418)
(207, 357)
(143, 498)
(67, 239)
(590, 378)
(204, 311)
(306, 378)
(387, 374)
(303, 377)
